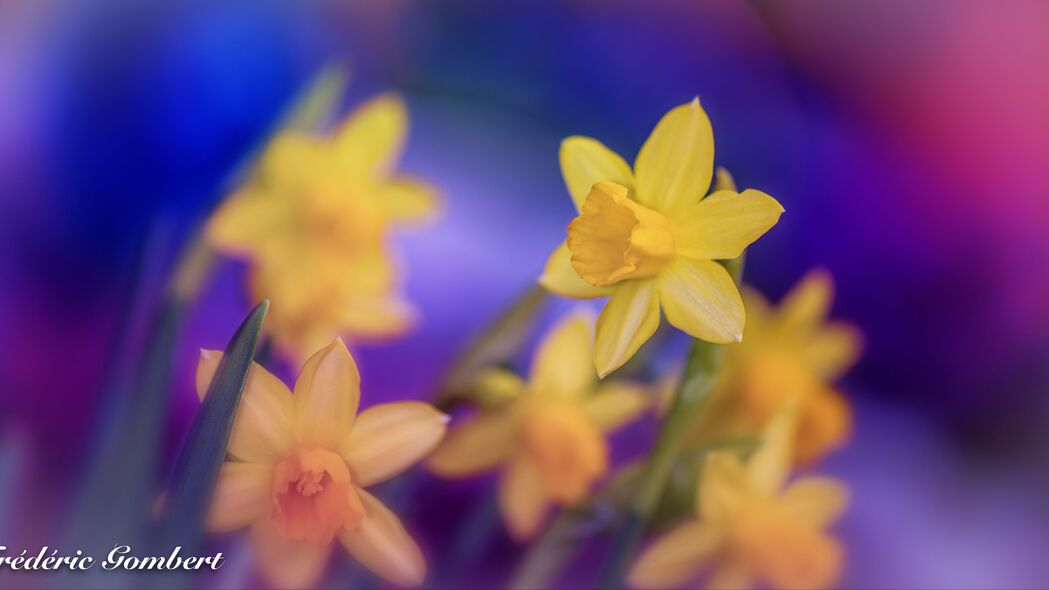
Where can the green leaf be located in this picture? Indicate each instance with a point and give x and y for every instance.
(197, 469)
(497, 344)
(314, 107)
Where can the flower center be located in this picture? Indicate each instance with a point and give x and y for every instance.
(771, 377)
(336, 218)
(616, 238)
(566, 449)
(313, 497)
(783, 550)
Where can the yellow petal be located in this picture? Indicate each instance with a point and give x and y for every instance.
(585, 161)
(246, 224)
(758, 314)
(375, 318)
(720, 226)
(833, 349)
(615, 404)
(563, 363)
(262, 427)
(769, 466)
(283, 562)
(723, 487)
(674, 167)
(628, 320)
(818, 501)
(327, 394)
(806, 306)
(723, 180)
(560, 277)
(676, 557)
(291, 161)
(242, 496)
(522, 500)
(477, 446)
(383, 546)
(700, 298)
(495, 387)
(371, 139)
(731, 575)
(388, 438)
(409, 200)
(824, 424)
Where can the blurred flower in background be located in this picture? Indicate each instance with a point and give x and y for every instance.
(547, 434)
(750, 531)
(788, 353)
(314, 220)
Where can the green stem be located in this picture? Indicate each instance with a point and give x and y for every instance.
(548, 553)
(703, 362)
(499, 342)
(700, 373)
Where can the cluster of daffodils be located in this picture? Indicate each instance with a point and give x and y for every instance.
(653, 239)
(300, 462)
(313, 220)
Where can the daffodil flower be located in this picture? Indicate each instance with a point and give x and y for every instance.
(749, 529)
(549, 436)
(301, 463)
(794, 353)
(325, 295)
(314, 218)
(648, 239)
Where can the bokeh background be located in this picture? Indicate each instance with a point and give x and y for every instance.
(908, 141)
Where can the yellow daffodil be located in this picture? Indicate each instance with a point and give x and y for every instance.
(748, 531)
(794, 353)
(648, 238)
(323, 296)
(549, 434)
(314, 218)
(300, 463)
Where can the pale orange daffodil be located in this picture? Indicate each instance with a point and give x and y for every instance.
(648, 239)
(314, 218)
(300, 464)
(750, 530)
(549, 436)
(794, 353)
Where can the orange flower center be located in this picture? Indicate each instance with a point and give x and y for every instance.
(566, 449)
(336, 218)
(313, 497)
(772, 378)
(782, 550)
(615, 238)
